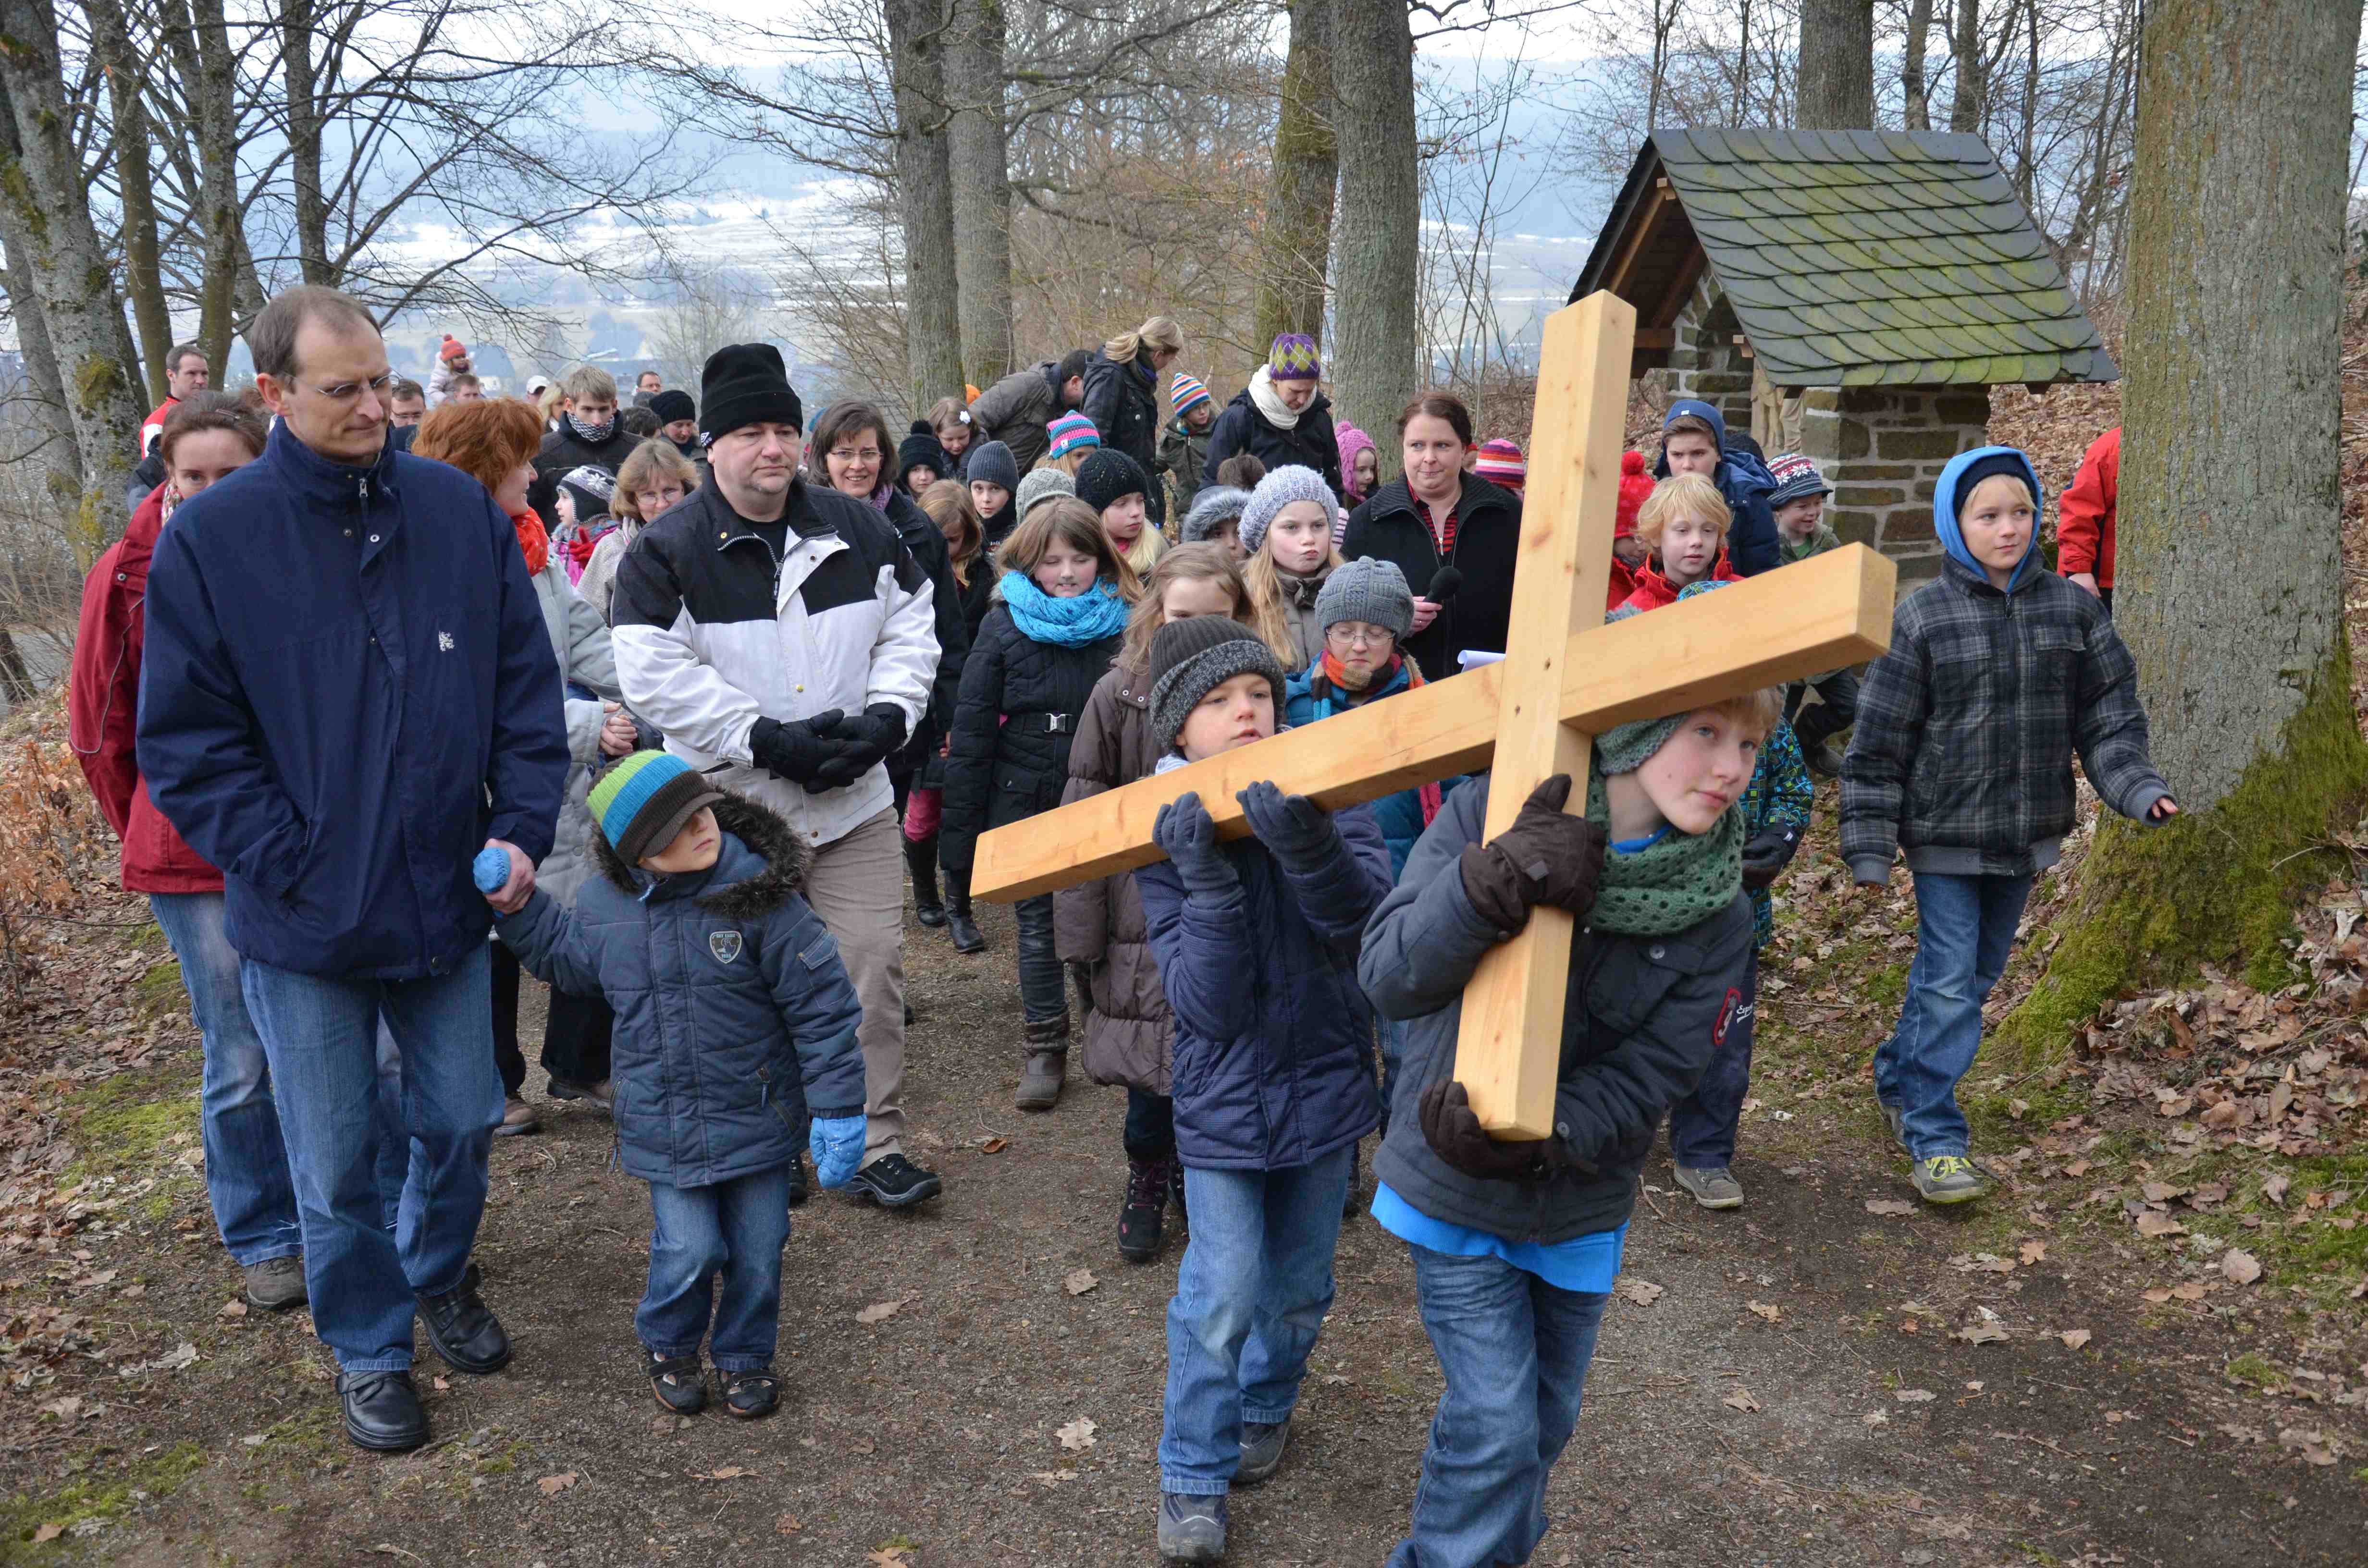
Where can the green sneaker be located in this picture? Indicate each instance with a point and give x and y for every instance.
(1713, 1186)
(1950, 1178)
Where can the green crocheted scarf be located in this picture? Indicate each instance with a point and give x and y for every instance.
(1679, 883)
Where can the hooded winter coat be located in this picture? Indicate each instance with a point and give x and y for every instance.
(1746, 483)
(1122, 399)
(563, 450)
(1652, 590)
(1010, 748)
(1487, 539)
(1015, 409)
(735, 1019)
(1308, 444)
(1130, 1031)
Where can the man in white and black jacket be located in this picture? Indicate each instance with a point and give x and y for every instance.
(783, 637)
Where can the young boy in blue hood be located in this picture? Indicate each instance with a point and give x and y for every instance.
(1999, 671)
(1693, 440)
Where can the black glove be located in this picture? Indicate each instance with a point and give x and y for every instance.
(862, 742)
(1293, 827)
(1545, 857)
(1767, 855)
(1454, 1132)
(1184, 830)
(796, 750)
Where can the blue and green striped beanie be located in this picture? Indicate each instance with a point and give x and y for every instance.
(641, 801)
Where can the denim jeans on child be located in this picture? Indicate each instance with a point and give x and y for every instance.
(1701, 1125)
(1250, 1298)
(1044, 983)
(321, 1034)
(728, 1236)
(1964, 929)
(1514, 1350)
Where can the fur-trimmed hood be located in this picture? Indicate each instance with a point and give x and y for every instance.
(763, 833)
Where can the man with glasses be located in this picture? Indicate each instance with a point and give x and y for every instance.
(348, 697)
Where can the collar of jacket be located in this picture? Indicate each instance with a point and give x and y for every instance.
(313, 478)
(731, 527)
(1976, 585)
(1477, 495)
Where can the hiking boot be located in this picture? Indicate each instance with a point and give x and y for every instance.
(463, 1328)
(895, 1182)
(276, 1284)
(921, 859)
(1191, 1528)
(517, 1117)
(382, 1410)
(1949, 1178)
(1142, 1219)
(1262, 1447)
(958, 924)
(679, 1382)
(751, 1396)
(800, 1185)
(1713, 1186)
(1822, 760)
(1045, 1065)
(595, 1094)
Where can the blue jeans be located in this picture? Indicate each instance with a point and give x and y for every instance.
(1514, 1350)
(1043, 984)
(1964, 929)
(1701, 1125)
(321, 1033)
(1250, 1298)
(731, 1233)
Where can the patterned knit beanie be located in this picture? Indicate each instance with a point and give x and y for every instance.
(641, 801)
(1797, 477)
(1500, 463)
(1624, 748)
(1108, 476)
(1294, 357)
(1371, 589)
(1191, 658)
(1279, 489)
(1187, 394)
(1042, 484)
(1211, 510)
(1072, 432)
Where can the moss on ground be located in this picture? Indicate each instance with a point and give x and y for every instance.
(128, 1122)
(22, 1517)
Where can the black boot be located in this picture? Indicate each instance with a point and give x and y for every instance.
(921, 859)
(1142, 1218)
(967, 936)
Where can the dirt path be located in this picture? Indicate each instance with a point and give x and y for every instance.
(1768, 1406)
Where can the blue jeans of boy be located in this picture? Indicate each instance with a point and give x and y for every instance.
(1514, 1350)
(321, 1034)
(716, 1252)
(1701, 1125)
(1250, 1298)
(1964, 929)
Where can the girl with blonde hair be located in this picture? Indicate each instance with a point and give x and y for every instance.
(1287, 527)
(1122, 399)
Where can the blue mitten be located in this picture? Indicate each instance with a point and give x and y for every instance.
(1185, 831)
(836, 1143)
(490, 870)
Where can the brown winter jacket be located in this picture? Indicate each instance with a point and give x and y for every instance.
(1129, 1034)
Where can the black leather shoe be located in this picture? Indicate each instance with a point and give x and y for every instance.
(382, 1410)
(463, 1329)
(800, 1185)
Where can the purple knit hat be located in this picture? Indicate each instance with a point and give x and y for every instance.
(1294, 357)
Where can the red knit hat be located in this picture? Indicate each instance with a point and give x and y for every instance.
(1500, 463)
(1634, 485)
(453, 349)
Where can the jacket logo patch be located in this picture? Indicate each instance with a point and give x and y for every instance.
(443, 642)
(724, 945)
(1725, 1017)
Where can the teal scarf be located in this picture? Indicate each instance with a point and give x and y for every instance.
(1096, 613)
(1677, 883)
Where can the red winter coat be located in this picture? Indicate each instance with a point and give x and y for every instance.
(1623, 583)
(1653, 590)
(2084, 522)
(103, 710)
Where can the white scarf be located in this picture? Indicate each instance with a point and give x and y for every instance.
(1270, 402)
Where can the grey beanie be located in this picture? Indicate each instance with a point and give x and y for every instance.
(1279, 489)
(1624, 748)
(1211, 510)
(1042, 484)
(1372, 590)
(991, 462)
(1191, 658)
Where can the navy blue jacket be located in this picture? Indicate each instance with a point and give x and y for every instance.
(347, 689)
(733, 1011)
(1273, 1056)
(1744, 479)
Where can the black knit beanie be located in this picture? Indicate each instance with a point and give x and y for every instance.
(1108, 476)
(672, 405)
(746, 384)
(921, 448)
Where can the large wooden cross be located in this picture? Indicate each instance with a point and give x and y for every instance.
(1564, 679)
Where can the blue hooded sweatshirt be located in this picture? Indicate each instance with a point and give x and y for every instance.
(1744, 479)
(1947, 496)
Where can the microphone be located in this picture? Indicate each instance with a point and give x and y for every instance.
(1443, 585)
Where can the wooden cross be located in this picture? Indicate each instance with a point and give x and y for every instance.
(1564, 679)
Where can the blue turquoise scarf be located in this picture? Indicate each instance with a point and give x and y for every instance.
(1068, 623)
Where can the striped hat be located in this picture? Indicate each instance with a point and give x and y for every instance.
(1186, 393)
(1294, 357)
(1500, 463)
(1072, 432)
(641, 801)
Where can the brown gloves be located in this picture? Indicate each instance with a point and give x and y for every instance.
(1545, 857)
(1454, 1132)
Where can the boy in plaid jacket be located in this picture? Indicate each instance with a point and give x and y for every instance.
(1999, 671)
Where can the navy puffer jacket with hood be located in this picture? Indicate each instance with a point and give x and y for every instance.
(1744, 479)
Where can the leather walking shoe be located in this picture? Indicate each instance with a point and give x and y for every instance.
(276, 1284)
(382, 1410)
(463, 1329)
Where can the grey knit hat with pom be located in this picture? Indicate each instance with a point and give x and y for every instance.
(1372, 590)
(1279, 489)
(1191, 658)
(1211, 510)
(1042, 484)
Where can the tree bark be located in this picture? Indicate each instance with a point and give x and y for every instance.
(303, 112)
(1970, 99)
(40, 180)
(1295, 235)
(1833, 84)
(979, 161)
(197, 39)
(916, 38)
(142, 277)
(1377, 350)
(2228, 572)
(1915, 91)
(57, 450)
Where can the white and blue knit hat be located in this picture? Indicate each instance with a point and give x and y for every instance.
(1280, 488)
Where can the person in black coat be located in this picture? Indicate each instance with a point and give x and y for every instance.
(948, 507)
(1122, 397)
(1282, 418)
(589, 435)
(1436, 514)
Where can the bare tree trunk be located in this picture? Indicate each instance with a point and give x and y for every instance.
(1741, 102)
(198, 40)
(1377, 350)
(303, 112)
(142, 279)
(1834, 88)
(40, 179)
(1295, 234)
(1968, 102)
(979, 161)
(58, 452)
(916, 38)
(2230, 576)
(1914, 89)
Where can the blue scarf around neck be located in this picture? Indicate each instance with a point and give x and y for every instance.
(1093, 615)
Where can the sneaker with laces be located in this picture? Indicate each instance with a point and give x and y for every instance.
(276, 1284)
(1191, 1528)
(1949, 1178)
(1143, 1218)
(1713, 1186)
(1263, 1446)
(895, 1182)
